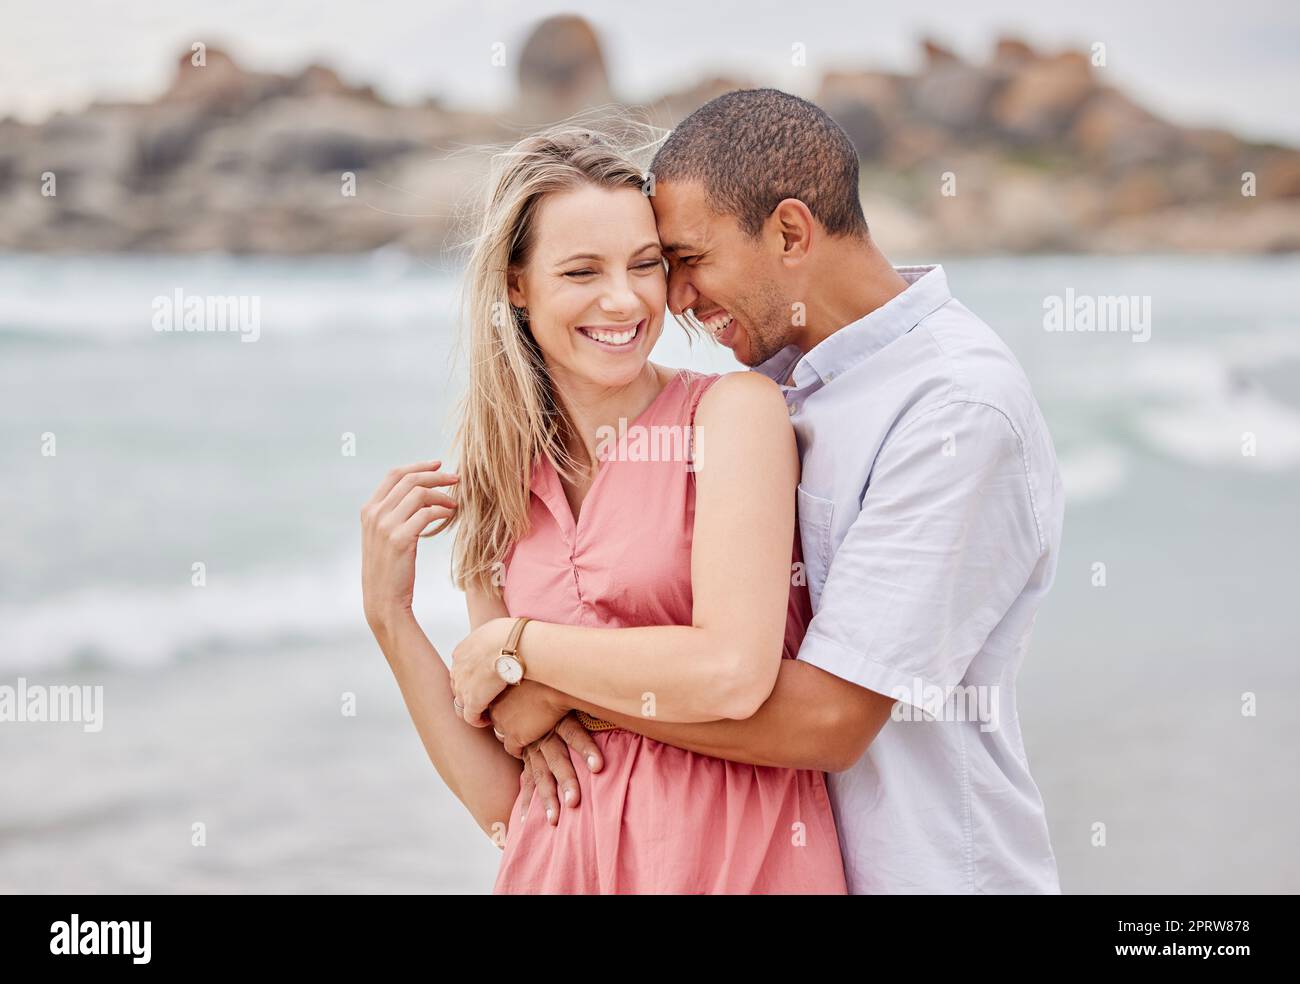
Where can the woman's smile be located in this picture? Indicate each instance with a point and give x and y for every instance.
(614, 338)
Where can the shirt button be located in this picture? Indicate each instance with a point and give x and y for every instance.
(793, 408)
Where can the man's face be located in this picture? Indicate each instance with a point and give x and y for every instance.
(729, 281)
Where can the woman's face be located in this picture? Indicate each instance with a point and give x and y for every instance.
(594, 286)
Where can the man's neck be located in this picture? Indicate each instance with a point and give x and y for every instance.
(852, 283)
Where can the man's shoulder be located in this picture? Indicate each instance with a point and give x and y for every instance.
(967, 362)
(979, 372)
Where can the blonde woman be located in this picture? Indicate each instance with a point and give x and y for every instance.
(658, 587)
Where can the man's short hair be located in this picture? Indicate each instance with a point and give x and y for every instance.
(753, 148)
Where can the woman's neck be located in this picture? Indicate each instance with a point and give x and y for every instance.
(591, 408)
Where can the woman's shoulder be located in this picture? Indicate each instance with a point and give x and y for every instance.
(723, 399)
(731, 387)
(681, 392)
(735, 395)
(743, 418)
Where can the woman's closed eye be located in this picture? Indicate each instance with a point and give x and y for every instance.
(644, 266)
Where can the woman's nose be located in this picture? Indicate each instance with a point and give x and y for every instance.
(620, 298)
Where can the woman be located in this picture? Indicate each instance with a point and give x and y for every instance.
(657, 585)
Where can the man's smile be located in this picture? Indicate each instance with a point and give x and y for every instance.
(720, 324)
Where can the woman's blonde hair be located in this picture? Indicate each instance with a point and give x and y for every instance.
(510, 413)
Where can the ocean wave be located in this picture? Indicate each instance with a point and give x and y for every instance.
(111, 300)
(1249, 430)
(125, 627)
(1201, 402)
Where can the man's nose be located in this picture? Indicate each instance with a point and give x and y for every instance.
(681, 293)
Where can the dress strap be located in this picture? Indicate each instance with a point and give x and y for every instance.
(699, 385)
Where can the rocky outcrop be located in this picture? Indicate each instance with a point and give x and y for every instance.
(237, 161)
(562, 70)
(1026, 151)
(1036, 151)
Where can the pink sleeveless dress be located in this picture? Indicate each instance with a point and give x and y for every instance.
(656, 819)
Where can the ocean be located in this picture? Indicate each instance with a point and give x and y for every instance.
(179, 525)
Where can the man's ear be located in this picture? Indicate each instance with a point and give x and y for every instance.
(513, 289)
(796, 226)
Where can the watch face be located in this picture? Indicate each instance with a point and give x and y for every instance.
(509, 669)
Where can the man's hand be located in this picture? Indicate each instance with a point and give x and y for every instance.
(548, 766)
(536, 725)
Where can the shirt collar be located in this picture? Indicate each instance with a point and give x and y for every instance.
(545, 484)
(926, 292)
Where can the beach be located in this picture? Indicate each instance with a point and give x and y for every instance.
(226, 686)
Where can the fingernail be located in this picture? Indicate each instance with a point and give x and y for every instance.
(550, 814)
(592, 762)
(568, 797)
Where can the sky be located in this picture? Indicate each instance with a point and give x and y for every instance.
(1204, 62)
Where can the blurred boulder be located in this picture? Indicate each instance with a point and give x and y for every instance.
(561, 70)
(1042, 95)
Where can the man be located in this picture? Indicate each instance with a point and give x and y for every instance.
(930, 511)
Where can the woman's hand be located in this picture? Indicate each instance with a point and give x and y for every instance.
(474, 677)
(526, 713)
(407, 501)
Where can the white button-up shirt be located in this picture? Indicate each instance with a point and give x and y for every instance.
(930, 509)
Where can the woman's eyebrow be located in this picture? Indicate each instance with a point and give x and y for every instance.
(596, 256)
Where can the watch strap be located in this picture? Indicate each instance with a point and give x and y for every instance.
(511, 647)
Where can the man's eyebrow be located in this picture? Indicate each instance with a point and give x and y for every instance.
(678, 248)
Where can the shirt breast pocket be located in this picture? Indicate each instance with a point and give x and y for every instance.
(815, 518)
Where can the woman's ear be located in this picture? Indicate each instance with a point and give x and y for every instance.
(513, 288)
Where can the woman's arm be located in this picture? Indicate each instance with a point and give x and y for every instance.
(725, 664)
(470, 760)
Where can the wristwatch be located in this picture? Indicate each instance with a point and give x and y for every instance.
(510, 667)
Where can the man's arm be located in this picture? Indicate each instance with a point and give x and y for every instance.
(812, 720)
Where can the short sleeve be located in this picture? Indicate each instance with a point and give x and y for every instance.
(946, 539)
